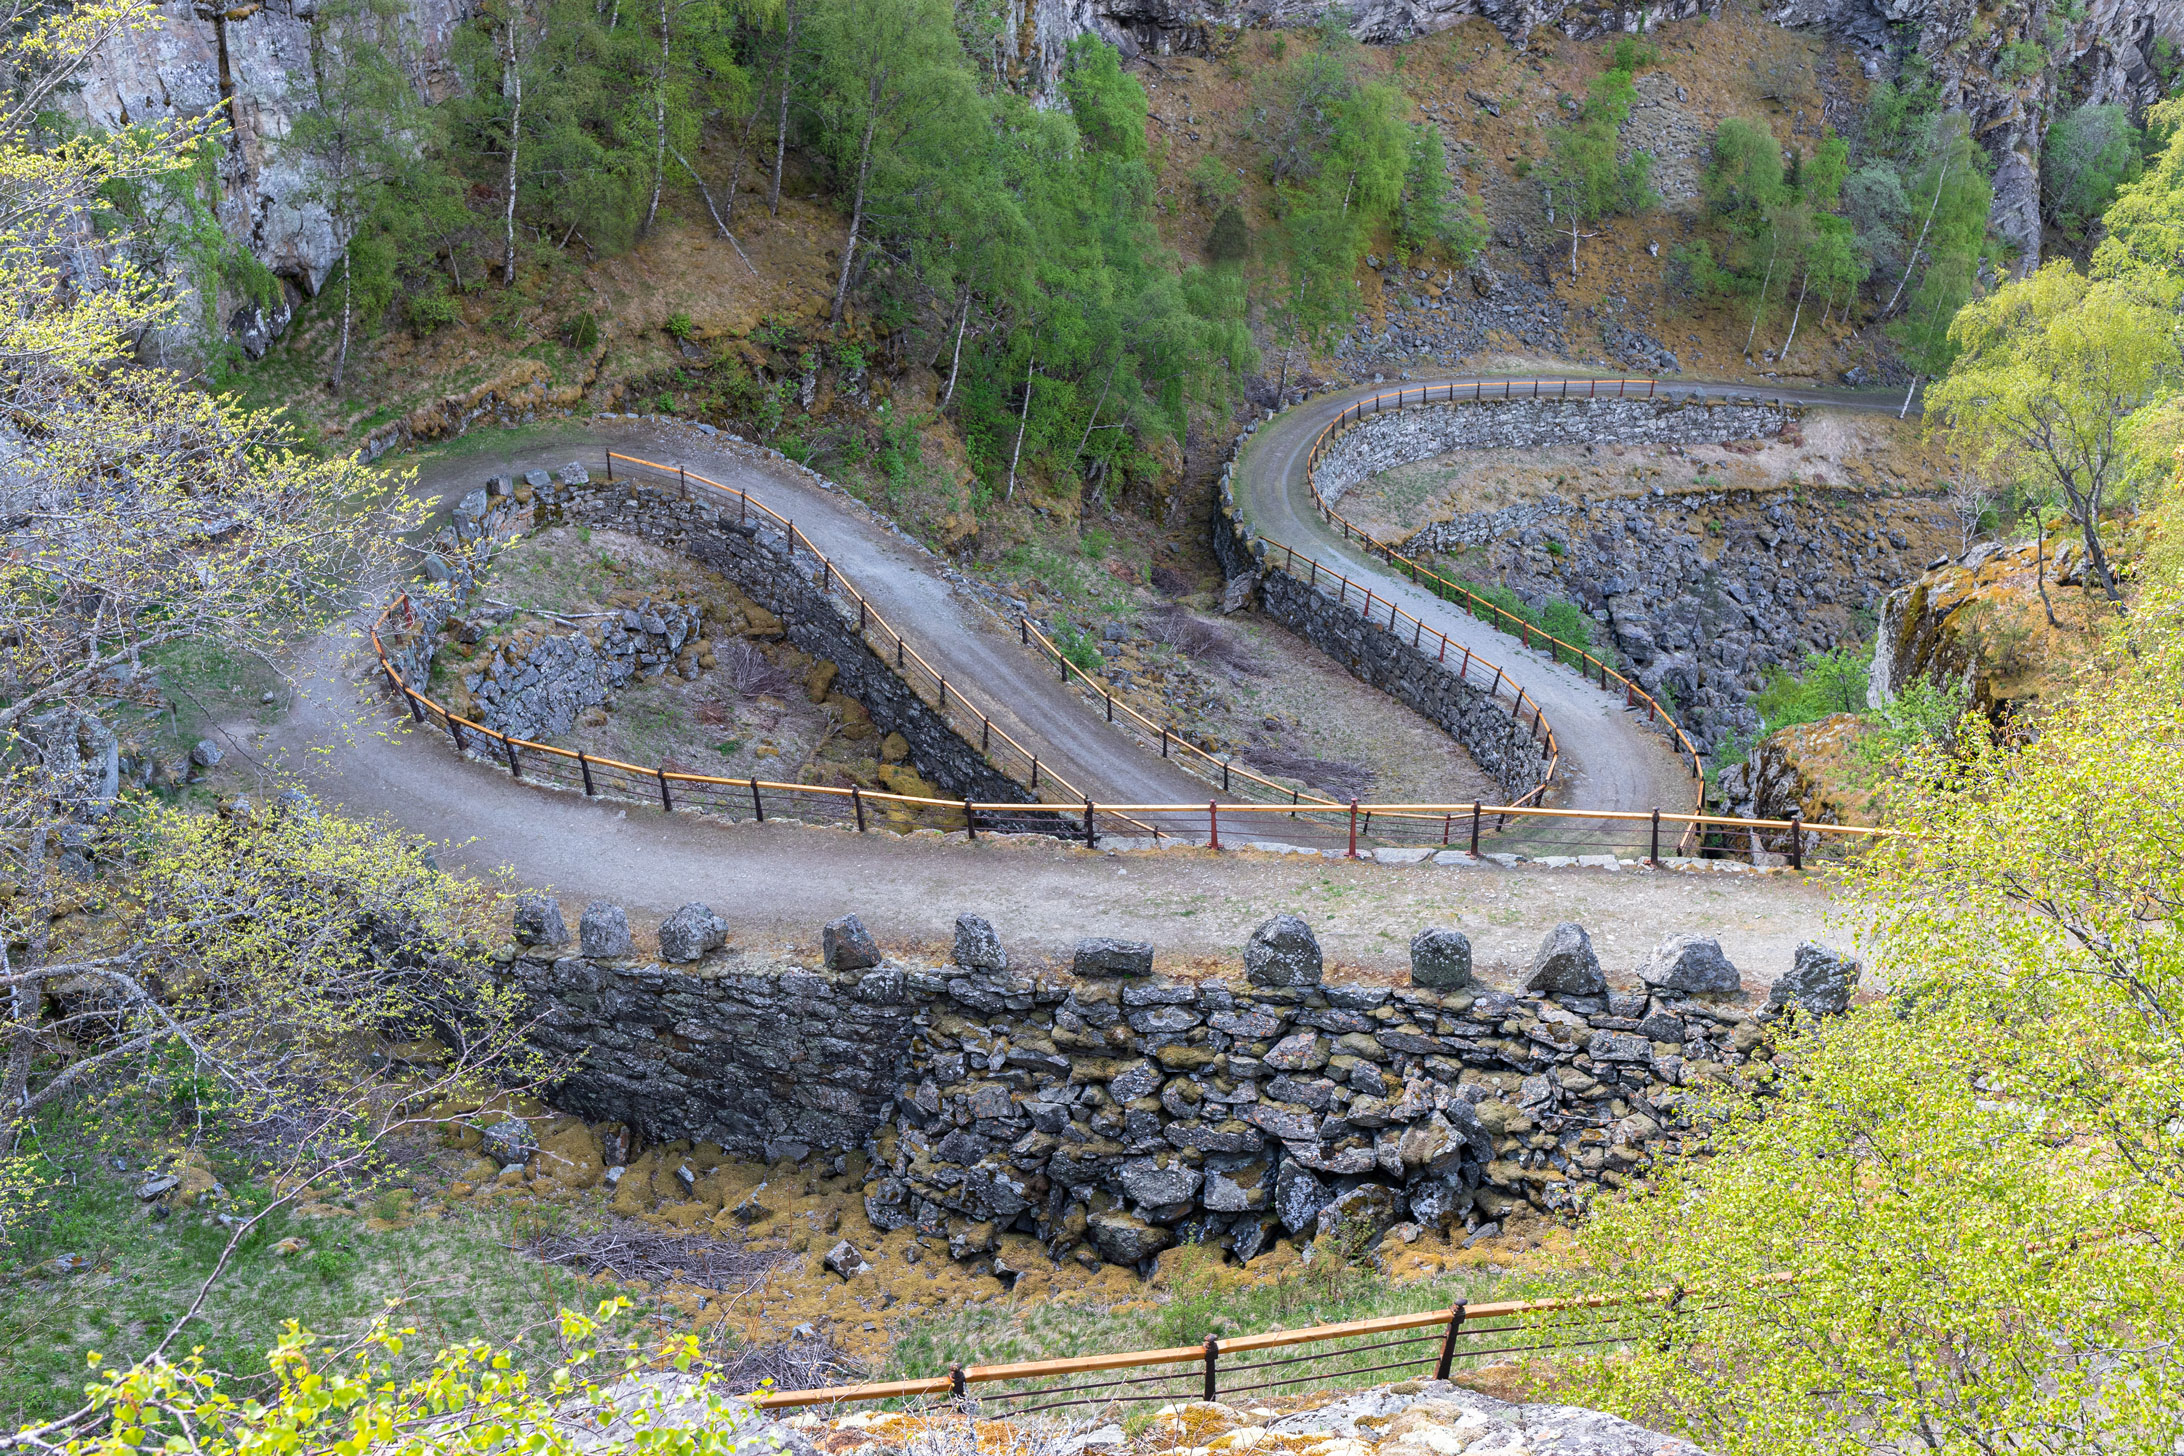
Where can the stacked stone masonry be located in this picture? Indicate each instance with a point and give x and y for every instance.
(536, 688)
(754, 554)
(1409, 666)
(1112, 1112)
(1417, 432)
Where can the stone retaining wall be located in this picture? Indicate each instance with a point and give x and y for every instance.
(1421, 431)
(755, 555)
(1113, 1112)
(535, 687)
(1415, 676)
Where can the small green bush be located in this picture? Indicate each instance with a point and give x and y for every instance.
(679, 325)
(582, 332)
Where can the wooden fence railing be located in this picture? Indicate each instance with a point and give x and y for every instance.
(1223, 1368)
(1455, 591)
(1177, 746)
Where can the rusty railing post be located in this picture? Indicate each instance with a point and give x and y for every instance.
(455, 731)
(758, 807)
(667, 804)
(1474, 828)
(515, 771)
(1035, 770)
(1448, 1342)
(1353, 829)
(1654, 858)
(970, 822)
(856, 801)
(1213, 1354)
(1091, 834)
(1213, 825)
(610, 466)
(1797, 838)
(584, 764)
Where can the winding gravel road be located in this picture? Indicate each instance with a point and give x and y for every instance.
(341, 737)
(1611, 757)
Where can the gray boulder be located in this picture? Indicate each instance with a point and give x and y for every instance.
(1820, 981)
(1282, 952)
(511, 1141)
(205, 753)
(1124, 1239)
(690, 932)
(1440, 958)
(574, 473)
(1566, 965)
(1355, 1221)
(1439, 1203)
(1693, 965)
(844, 1260)
(977, 948)
(1299, 1196)
(603, 931)
(472, 507)
(1236, 1190)
(1103, 955)
(538, 922)
(1160, 1190)
(1253, 1236)
(846, 945)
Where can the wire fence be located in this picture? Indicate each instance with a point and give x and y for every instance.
(1438, 1341)
(1456, 592)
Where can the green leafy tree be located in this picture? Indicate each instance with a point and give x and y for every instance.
(2145, 224)
(1425, 215)
(2048, 373)
(2087, 154)
(1949, 1222)
(1586, 177)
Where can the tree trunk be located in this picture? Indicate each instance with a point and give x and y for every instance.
(659, 126)
(2089, 524)
(341, 359)
(2039, 567)
(1803, 284)
(1764, 281)
(1913, 261)
(1023, 419)
(511, 88)
(28, 998)
(1573, 245)
(963, 317)
(781, 126)
(856, 209)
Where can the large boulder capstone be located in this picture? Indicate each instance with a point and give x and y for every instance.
(1282, 952)
(1820, 981)
(690, 932)
(1103, 955)
(538, 922)
(845, 945)
(1566, 965)
(977, 947)
(1440, 959)
(603, 931)
(1693, 965)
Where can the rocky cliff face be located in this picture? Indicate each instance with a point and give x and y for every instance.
(251, 65)
(2106, 56)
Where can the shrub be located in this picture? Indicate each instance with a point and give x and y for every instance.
(679, 325)
(582, 332)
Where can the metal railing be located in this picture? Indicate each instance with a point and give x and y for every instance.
(1432, 1340)
(1450, 590)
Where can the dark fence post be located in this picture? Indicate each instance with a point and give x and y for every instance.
(1353, 829)
(1654, 858)
(1474, 828)
(970, 823)
(585, 764)
(1213, 825)
(1091, 835)
(1797, 839)
(758, 808)
(666, 803)
(1448, 1341)
(856, 801)
(455, 731)
(515, 770)
(956, 1384)
(1035, 770)
(1213, 1353)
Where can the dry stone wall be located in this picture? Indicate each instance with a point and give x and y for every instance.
(1112, 1112)
(755, 555)
(1501, 742)
(1418, 432)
